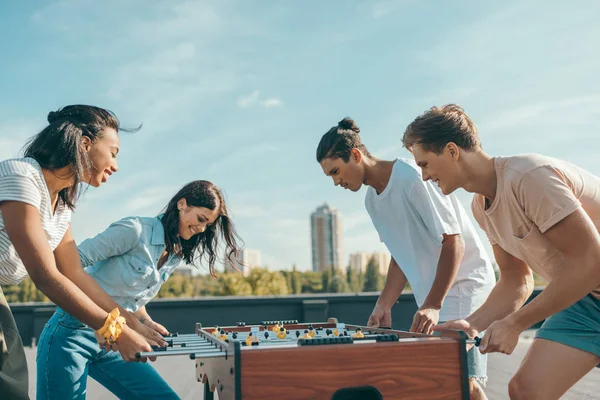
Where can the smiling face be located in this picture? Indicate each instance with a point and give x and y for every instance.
(442, 168)
(194, 220)
(103, 156)
(349, 175)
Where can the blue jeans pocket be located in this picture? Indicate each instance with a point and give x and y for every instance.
(67, 321)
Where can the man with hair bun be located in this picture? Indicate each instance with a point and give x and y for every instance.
(433, 244)
(540, 214)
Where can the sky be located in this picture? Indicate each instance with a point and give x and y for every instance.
(240, 93)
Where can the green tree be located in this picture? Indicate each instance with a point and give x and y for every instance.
(233, 284)
(326, 277)
(295, 281)
(265, 282)
(373, 279)
(312, 282)
(338, 284)
(354, 281)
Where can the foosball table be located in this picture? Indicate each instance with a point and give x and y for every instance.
(327, 360)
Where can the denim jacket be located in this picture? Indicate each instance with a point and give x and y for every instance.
(124, 260)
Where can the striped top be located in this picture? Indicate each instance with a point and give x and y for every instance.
(21, 179)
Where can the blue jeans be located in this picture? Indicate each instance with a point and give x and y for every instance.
(477, 363)
(68, 352)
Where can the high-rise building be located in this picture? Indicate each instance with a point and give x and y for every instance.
(327, 239)
(247, 259)
(359, 261)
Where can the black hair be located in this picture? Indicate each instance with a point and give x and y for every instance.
(58, 145)
(201, 194)
(339, 141)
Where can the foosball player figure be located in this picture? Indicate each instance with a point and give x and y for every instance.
(306, 335)
(222, 335)
(282, 333)
(249, 339)
(358, 334)
(311, 331)
(216, 330)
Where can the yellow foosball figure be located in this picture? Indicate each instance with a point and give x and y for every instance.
(222, 335)
(215, 331)
(249, 339)
(282, 333)
(358, 334)
(306, 335)
(276, 327)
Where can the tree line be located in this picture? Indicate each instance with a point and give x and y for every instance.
(259, 282)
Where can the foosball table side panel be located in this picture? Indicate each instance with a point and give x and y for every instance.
(431, 370)
(221, 375)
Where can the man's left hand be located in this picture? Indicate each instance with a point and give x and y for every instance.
(500, 337)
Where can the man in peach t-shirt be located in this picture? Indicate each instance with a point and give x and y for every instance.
(540, 214)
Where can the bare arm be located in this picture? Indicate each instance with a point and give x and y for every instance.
(578, 239)
(69, 264)
(24, 228)
(453, 250)
(145, 319)
(510, 293)
(142, 315)
(394, 285)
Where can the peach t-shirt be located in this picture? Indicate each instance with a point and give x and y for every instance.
(534, 193)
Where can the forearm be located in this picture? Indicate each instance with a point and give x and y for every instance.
(65, 294)
(95, 292)
(506, 297)
(453, 250)
(394, 285)
(142, 314)
(564, 290)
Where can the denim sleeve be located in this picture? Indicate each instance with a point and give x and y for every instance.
(119, 238)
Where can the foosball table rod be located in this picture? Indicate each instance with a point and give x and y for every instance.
(198, 352)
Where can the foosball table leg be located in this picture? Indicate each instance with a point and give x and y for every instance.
(208, 395)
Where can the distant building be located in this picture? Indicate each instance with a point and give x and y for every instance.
(359, 261)
(327, 239)
(247, 259)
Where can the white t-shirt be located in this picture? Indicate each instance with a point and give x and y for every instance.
(21, 179)
(411, 216)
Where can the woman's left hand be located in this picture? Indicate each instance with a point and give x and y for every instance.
(156, 326)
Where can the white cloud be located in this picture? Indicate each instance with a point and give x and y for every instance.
(248, 100)
(272, 102)
(253, 98)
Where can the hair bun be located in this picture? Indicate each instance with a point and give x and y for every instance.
(52, 116)
(348, 123)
